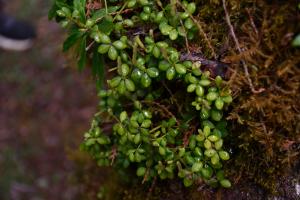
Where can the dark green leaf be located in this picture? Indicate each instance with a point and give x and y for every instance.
(82, 54)
(102, 12)
(52, 11)
(72, 39)
(296, 41)
(98, 68)
(57, 4)
(61, 3)
(106, 26)
(80, 6)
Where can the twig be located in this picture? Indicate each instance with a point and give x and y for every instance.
(286, 92)
(105, 3)
(264, 126)
(90, 46)
(172, 99)
(155, 129)
(169, 91)
(151, 188)
(120, 11)
(252, 21)
(113, 155)
(187, 136)
(146, 176)
(113, 69)
(185, 37)
(237, 45)
(214, 66)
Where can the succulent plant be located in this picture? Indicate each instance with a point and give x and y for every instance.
(137, 124)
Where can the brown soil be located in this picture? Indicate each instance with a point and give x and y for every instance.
(45, 106)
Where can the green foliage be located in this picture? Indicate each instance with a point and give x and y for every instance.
(159, 114)
(296, 41)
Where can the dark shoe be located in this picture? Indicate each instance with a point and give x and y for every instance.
(15, 35)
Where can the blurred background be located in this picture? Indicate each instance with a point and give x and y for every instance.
(45, 106)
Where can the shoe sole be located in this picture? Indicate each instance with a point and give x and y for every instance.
(15, 45)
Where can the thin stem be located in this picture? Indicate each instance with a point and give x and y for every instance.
(112, 69)
(106, 10)
(154, 129)
(237, 45)
(185, 38)
(89, 46)
(78, 23)
(120, 11)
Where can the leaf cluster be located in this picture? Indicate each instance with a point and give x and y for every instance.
(139, 124)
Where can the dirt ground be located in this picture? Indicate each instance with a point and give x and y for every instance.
(45, 106)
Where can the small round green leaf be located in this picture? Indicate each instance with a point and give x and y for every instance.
(170, 73)
(164, 65)
(119, 45)
(124, 70)
(191, 7)
(225, 183)
(204, 82)
(103, 48)
(141, 171)
(188, 23)
(219, 103)
(199, 90)
(173, 34)
(156, 52)
(115, 81)
(112, 53)
(191, 88)
(219, 144)
(129, 85)
(105, 39)
(136, 74)
(211, 96)
(153, 72)
(187, 182)
(123, 116)
(197, 166)
(216, 115)
(180, 69)
(210, 152)
(146, 80)
(224, 155)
